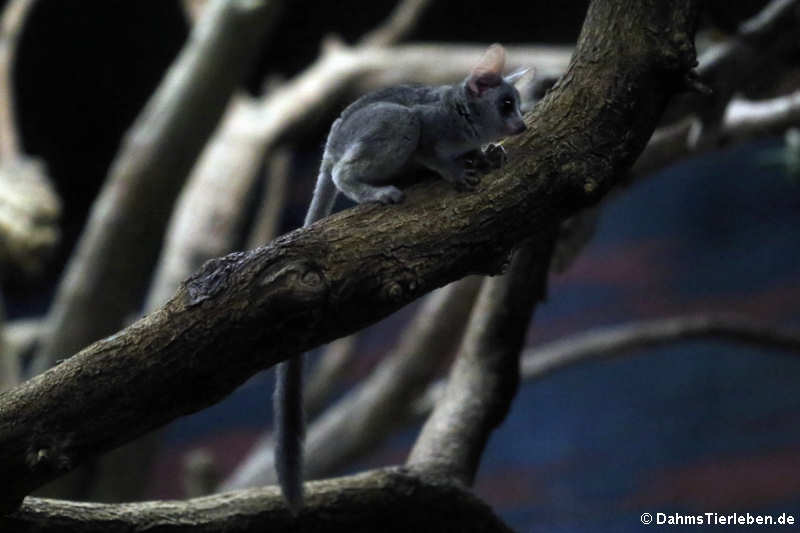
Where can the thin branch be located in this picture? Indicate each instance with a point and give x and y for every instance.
(622, 340)
(327, 373)
(625, 340)
(391, 500)
(319, 283)
(200, 473)
(268, 217)
(109, 269)
(9, 360)
(401, 22)
(743, 121)
(362, 418)
(485, 376)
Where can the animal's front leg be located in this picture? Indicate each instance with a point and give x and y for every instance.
(484, 161)
(476, 163)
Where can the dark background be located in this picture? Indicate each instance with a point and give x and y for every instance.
(695, 427)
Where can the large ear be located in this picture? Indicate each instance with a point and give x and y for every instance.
(488, 72)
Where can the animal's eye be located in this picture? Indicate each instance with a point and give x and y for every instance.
(507, 106)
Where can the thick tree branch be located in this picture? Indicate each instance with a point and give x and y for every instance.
(392, 500)
(319, 283)
(485, 376)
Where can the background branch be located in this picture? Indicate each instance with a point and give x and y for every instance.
(11, 24)
(539, 362)
(268, 216)
(485, 375)
(402, 21)
(743, 121)
(106, 277)
(327, 373)
(621, 340)
(29, 205)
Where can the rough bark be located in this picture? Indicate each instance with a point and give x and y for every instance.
(339, 275)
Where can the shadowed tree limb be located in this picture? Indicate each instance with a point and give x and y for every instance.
(341, 274)
(391, 500)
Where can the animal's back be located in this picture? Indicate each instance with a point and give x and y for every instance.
(344, 130)
(406, 95)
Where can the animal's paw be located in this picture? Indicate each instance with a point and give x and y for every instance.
(495, 156)
(468, 178)
(390, 195)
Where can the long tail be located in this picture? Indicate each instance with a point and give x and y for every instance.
(288, 401)
(290, 431)
(324, 194)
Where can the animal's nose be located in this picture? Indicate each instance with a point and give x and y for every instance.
(520, 128)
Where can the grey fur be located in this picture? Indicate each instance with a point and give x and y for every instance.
(374, 139)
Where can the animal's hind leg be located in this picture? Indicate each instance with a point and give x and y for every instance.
(388, 137)
(348, 175)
